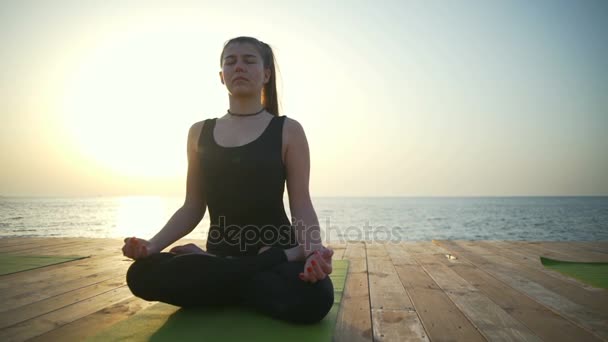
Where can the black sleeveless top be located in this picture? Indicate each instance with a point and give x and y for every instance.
(244, 187)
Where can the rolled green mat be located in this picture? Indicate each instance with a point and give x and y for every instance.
(592, 273)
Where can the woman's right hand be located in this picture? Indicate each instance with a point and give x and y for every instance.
(135, 248)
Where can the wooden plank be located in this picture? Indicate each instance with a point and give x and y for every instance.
(546, 324)
(596, 246)
(47, 322)
(423, 252)
(336, 245)
(354, 319)
(376, 250)
(85, 248)
(594, 322)
(533, 248)
(13, 240)
(103, 247)
(593, 300)
(573, 251)
(399, 255)
(536, 247)
(394, 317)
(489, 318)
(532, 260)
(44, 248)
(386, 290)
(65, 298)
(357, 265)
(57, 270)
(22, 296)
(19, 241)
(397, 325)
(92, 246)
(8, 248)
(442, 320)
(338, 249)
(75, 267)
(94, 323)
(338, 253)
(355, 250)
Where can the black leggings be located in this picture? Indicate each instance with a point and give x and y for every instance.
(266, 282)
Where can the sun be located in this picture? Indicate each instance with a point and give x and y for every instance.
(129, 101)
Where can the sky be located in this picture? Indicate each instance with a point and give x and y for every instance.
(397, 98)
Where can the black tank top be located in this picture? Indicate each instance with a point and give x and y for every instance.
(244, 188)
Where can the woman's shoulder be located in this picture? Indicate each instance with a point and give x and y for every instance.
(198, 126)
(195, 132)
(196, 129)
(292, 129)
(292, 125)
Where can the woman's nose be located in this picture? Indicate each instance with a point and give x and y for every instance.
(239, 66)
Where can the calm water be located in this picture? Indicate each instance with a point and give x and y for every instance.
(346, 218)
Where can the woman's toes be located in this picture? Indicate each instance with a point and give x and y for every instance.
(263, 249)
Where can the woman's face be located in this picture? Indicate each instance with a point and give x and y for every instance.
(243, 70)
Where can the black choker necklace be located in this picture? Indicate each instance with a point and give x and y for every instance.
(231, 113)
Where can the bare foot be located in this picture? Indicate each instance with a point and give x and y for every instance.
(189, 249)
(263, 249)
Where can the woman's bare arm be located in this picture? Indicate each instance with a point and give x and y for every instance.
(192, 211)
(185, 218)
(297, 162)
(318, 265)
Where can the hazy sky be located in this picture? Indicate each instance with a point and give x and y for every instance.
(412, 98)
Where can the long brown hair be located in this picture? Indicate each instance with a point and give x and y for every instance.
(270, 99)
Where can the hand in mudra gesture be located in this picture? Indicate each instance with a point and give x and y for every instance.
(318, 265)
(136, 248)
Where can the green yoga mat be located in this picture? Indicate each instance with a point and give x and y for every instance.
(592, 273)
(165, 322)
(10, 263)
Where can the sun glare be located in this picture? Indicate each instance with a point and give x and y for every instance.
(126, 104)
(139, 216)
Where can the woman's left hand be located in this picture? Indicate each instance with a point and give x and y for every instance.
(317, 266)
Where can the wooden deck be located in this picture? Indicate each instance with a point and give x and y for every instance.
(437, 291)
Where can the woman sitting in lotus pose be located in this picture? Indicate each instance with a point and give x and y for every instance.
(238, 166)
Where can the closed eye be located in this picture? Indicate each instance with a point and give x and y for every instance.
(232, 62)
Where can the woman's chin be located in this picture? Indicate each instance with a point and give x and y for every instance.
(242, 92)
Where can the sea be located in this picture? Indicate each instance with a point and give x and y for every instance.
(341, 218)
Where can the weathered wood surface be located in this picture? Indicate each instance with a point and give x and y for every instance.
(406, 291)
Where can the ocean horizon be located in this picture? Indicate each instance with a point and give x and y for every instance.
(342, 218)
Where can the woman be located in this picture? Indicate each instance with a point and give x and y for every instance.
(237, 167)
